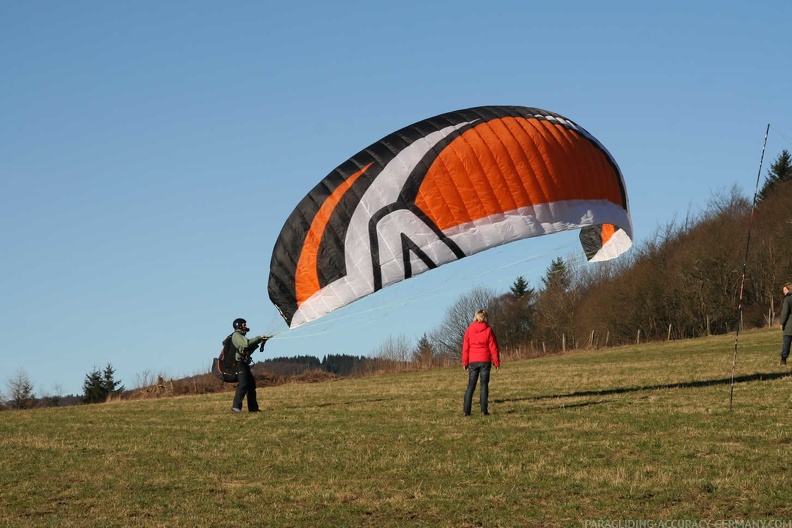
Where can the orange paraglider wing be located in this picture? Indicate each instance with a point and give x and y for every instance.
(440, 190)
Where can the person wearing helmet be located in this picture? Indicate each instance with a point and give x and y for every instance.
(244, 348)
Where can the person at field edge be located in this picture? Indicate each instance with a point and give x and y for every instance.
(479, 354)
(247, 383)
(786, 324)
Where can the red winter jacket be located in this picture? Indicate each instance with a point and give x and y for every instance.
(480, 345)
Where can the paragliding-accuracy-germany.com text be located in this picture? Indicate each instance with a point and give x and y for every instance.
(687, 523)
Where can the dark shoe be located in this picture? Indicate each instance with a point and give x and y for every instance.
(234, 409)
(485, 414)
(465, 414)
(783, 362)
(254, 411)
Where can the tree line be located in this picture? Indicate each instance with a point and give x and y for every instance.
(338, 364)
(99, 386)
(683, 282)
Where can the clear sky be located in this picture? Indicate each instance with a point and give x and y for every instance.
(150, 152)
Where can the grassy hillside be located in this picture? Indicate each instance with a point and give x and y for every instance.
(630, 433)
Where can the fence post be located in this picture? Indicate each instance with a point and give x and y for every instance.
(563, 342)
(638, 337)
(607, 335)
(669, 332)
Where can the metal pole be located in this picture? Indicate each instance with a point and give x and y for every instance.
(745, 263)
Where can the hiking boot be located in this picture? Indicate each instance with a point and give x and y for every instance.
(234, 409)
(783, 362)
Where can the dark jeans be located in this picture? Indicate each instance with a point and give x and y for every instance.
(475, 370)
(246, 387)
(785, 347)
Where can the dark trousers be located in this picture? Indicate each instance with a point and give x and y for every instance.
(785, 347)
(476, 370)
(246, 387)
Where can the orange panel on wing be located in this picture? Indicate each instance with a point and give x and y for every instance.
(513, 162)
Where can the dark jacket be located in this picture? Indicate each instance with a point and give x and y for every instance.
(480, 345)
(786, 312)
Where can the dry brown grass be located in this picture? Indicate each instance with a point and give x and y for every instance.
(208, 384)
(631, 433)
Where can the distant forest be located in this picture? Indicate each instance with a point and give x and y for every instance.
(338, 364)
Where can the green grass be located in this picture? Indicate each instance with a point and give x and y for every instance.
(629, 433)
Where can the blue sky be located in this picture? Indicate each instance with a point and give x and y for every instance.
(150, 152)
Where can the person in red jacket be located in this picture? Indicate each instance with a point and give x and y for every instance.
(479, 353)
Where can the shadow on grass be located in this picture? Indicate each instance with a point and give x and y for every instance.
(687, 385)
(553, 408)
(352, 402)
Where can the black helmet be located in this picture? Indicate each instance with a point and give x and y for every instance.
(239, 323)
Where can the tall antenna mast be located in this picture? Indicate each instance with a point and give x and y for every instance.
(745, 264)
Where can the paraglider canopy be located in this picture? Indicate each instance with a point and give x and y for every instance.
(442, 189)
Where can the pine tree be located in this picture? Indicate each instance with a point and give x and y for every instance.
(99, 385)
(516, 315)
(780, 171)
(111, 386)
(555, 305)
(557, 278)
(93, 389)
(519, 288)
(422, 355)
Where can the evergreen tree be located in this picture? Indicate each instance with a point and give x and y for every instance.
(555, 305)
(515, 315)
(422, 355)
(558, 278)
(111, 386)
(519, 288)
(93, 390)
(780, 171)
(99, 385)
(93, 387)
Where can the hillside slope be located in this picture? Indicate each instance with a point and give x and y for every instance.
(629, 433)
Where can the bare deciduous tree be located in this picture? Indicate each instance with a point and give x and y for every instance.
(20, 391)
(396, 349)
(447, 338)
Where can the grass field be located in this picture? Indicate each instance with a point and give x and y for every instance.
(634, 433)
